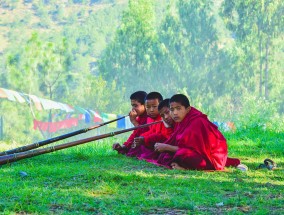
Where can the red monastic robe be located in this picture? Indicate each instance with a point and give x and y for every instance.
(136, 133)
(157, 133)
(201, 145)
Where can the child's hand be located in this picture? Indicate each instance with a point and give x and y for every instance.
(132, 117)
(116, 147)
(121, 149)
(161, 147)
(138, 141)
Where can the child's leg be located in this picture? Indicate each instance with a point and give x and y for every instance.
(191, 160)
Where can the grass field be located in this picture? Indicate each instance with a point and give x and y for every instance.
(93, 179)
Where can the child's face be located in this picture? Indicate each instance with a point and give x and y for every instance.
(178, 112)
(152, 107)
(166, 115)
(138, 107)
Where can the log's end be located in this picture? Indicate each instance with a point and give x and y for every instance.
(5, 159)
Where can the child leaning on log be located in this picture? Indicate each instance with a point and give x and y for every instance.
(144, 144)
(138, 116)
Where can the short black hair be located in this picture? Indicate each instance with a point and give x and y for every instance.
(154, 95)
(180, 98)
(164, 103)
(139, 96)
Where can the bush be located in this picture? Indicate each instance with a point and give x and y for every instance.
(247, 112)
(253, 112)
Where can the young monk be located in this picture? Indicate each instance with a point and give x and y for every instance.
(164, 111)
(196, 142)
(138, 116)
(144, 144)
(147, 149)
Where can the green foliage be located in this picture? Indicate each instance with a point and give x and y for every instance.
(42, 68)
(254, 113)
(201, 51)
(18, 123)
(172, 56)
(131, 54)
(94, 54)
(256, 24)
(96, 90)
(40, 65)
(248, 113)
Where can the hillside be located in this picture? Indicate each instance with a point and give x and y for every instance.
(18, 19)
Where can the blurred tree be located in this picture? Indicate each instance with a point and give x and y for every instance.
(40, 65)
(255, 25)
(172, 64)
(199, 44)
(129, 57)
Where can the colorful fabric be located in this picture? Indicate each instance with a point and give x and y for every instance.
(52, 127)
(128, 123)
(226, 126)
(9, 94)
(97, 117)
(108, 117)
(79, 109)
(87, 117)
(85, 114)
(36, 102)
(2, 93)
(65, 107)
(49, 104)
(121, 122)
(18, 97)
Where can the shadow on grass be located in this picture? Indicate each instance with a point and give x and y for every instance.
(92, 179)
(84, 183)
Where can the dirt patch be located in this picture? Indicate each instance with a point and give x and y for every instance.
(222, 210)
(166, 211)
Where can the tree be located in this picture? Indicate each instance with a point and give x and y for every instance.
(129, 57)
(40, 65)
(256, 24)
(171, 54)
(203, 54)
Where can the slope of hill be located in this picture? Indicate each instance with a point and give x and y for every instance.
(18, 19)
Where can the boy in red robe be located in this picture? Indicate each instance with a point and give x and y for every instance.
(147, 146)
(144, 144)
(138, 116)
(196, 142)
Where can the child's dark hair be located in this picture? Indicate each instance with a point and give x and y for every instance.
(139, 96)
(180, 98)
(164, 103)
(154, 95)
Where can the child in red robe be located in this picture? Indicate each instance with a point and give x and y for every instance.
(138, 116)
(144, 144)
(196, 143)
(147, 148)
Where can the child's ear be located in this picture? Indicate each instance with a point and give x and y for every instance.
(188, 109)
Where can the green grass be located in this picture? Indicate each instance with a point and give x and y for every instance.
(92, 179)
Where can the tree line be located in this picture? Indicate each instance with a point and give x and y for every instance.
(222, 54)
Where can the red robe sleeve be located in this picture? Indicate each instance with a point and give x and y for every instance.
(143, 119)
(157, 133)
